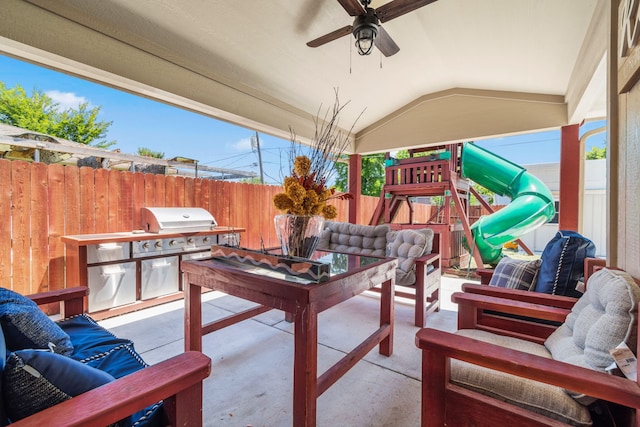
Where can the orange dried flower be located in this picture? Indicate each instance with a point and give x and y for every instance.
(303, 194)
(306, 191)
(302, 166)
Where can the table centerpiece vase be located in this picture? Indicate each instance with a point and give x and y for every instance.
(298, 234)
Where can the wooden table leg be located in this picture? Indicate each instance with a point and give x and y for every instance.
(305, 368)
(420, 296)
(386, 316)
(192, 317)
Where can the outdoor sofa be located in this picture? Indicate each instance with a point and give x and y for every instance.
(73, 372)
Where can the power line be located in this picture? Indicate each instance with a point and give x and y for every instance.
(523, 142)
(226, 158)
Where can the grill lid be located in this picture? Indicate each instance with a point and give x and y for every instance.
(159, 220)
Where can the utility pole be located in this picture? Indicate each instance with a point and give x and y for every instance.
(257, 146)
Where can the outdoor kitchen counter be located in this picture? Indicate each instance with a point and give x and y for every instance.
(146, 270)
(128, 236)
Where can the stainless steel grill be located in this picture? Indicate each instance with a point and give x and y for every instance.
(182, 220)
(172, 245)
(145, 264)
(160, 274)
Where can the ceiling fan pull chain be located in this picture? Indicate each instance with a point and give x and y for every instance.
(350, 57)
(380, 59)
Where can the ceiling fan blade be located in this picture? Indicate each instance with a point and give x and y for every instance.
(396, 8)
(353, 7)
(330, 37)
(385, 43)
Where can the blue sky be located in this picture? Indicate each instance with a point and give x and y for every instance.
(139, 122)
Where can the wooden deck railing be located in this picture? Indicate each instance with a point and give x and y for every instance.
(417, 171)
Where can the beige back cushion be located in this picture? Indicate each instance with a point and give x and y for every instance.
(378, 240)
(605, 316)
(354, 238)
(407, 245)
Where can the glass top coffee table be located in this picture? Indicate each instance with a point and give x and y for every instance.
(302, 300)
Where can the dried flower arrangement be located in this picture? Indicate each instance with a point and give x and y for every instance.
(306, 190)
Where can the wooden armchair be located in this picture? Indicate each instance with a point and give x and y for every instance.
(177, 381)
(488, 351)
(513, 324)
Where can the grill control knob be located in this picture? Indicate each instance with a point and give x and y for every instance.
(158, 245)
(145, 245)
(190, 240)
(173, 242)
(206, 240)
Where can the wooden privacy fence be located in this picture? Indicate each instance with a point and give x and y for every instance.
(39, 203)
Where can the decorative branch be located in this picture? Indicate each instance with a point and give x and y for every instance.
(306, 190)
(328, 144)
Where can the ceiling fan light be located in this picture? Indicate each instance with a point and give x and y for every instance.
(364, 39)
(365, 30)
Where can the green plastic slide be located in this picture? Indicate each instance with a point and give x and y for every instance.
(531, 201)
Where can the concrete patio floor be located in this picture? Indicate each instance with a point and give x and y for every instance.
(252, 361)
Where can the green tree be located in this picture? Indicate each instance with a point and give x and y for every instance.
(251, 180)
(597, 153)
(372, 175)
(483, 192)
(148, 152)
(39, 113)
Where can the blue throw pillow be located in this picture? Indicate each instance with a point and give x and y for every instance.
(34, 380)
(3, 351)
(89, 339)
(25, 326)
(99, 348)
(563, 263)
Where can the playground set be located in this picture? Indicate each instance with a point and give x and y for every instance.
(446, 171)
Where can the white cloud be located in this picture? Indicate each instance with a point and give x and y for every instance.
(66, 100)
(243, 145)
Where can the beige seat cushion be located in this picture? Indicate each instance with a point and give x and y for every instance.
(544, 399)
(602, 318)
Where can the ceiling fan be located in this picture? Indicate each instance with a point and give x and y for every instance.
(366, 27)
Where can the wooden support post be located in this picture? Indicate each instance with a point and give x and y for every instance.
(570, 179)
(355, 187)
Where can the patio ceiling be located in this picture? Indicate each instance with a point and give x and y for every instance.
(466, 69)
